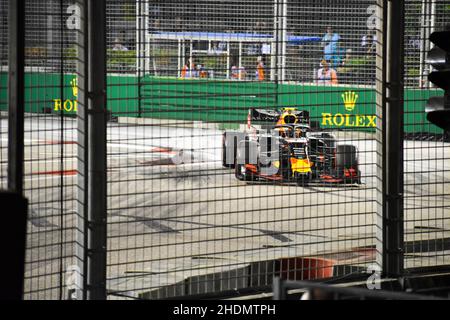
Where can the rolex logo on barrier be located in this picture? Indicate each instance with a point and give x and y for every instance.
(349, 98)
(349, 120)
(68, 105)
(74, 85)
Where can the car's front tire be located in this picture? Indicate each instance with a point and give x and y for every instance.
(243, 174)
(347, 158)
(302, 180)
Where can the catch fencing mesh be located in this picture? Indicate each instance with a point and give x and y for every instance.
(427, 152)
(182, 78)
(180, 222)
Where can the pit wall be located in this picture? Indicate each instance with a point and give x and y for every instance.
(221, 101)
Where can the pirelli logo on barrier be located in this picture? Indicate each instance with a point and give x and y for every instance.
(349, 120)
(68, 104)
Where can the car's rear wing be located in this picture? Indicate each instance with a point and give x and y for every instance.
(273, 115)
(264, 115)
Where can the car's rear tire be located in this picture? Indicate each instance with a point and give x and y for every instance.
(347, 158)
(241, 172)
(224, 151)
(358, 180)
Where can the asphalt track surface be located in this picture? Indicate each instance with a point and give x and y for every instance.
(174, 212)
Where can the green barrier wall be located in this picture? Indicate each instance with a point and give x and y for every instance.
(228, 101)
(222, 101)
(43, 93)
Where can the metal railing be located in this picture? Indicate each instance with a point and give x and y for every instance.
(320, 291)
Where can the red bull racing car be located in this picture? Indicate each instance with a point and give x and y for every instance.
(286, 149)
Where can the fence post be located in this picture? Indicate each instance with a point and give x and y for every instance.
(381, 126)
(80, 292)
(92, 115)
(393, 229)
(16, 92)
(15, 225)
(279, 291)
(97, 149)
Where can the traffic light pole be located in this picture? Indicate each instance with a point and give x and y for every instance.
(393, 229)
(438, 107)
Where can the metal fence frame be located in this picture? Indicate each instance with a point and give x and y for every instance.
(320, 291)
(92, 71)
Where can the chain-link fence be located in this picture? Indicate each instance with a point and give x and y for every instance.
(185, 222)
(427, 150)
(3, 90)
(246, 140)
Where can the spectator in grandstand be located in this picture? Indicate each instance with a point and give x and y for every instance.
(222, 46)
(125, 40)
(156, 25)
(184, 70)
(213, 49)
(155, 14)
(260, 27)
(253, 48)
(260, 73)
(346, 68)
(178, 25)
(346, 60)
(368, 43)
(217, 47)
(118, 46)
(265, 48)
(188, 70)
(326, 75)
(234, 72)
(330, 43)
(242, 73)
(202, 73)
(237, 73)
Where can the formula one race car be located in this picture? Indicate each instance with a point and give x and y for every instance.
(287, 149)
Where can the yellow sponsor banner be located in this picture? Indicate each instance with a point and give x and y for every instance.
(69, 105)
(349, 120)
